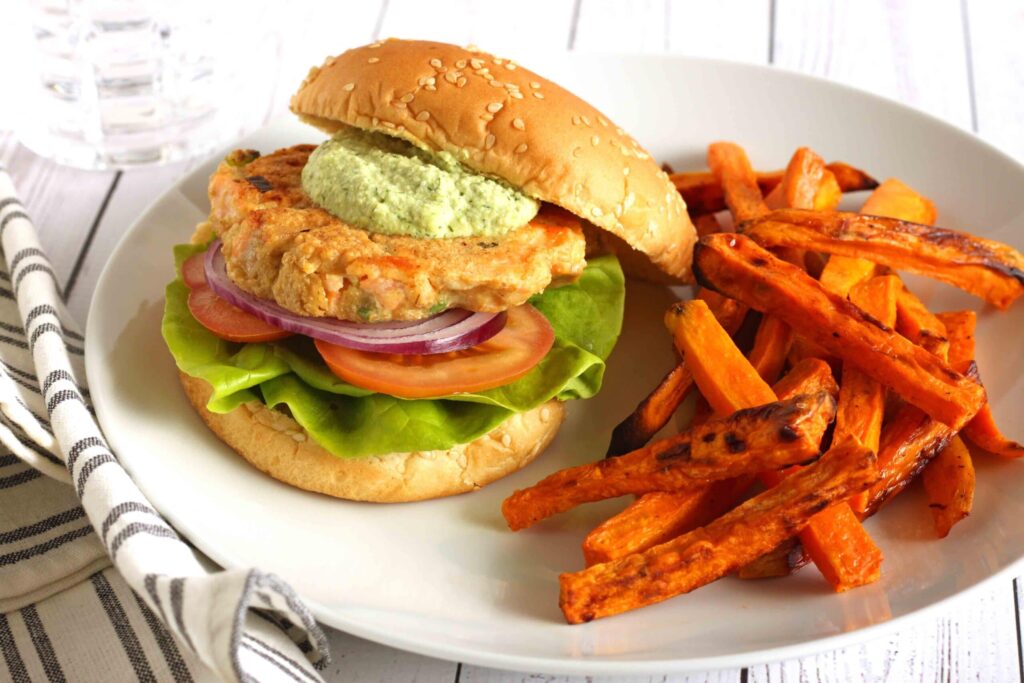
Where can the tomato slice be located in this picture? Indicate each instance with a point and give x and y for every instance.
(193, 270)
(522, 343)
(229, 322)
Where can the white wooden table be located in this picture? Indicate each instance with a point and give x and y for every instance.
(961, 60)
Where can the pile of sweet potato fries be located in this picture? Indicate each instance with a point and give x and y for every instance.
(758, 485)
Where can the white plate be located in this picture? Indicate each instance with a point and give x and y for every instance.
(445, 577)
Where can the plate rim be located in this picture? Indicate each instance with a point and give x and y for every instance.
(583, 664)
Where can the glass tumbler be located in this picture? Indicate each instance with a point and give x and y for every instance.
(122, 83)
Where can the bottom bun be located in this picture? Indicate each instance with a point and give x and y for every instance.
(277, 445)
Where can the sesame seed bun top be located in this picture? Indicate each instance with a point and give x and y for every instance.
(503, 120)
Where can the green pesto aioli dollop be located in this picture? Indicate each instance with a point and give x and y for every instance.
(383, 184)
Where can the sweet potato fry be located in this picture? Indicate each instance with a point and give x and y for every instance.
(949, 483)
(771, 347)
(653, 413)
(982, 430)
(656, 517)
(732, 170)
(710, 352)
(703, 194)
(915, 322)
(782, 560)
(807, 377)
(988, 269)
(748, 441)
(706, 224)
(800, 183)
(841, 273)
(842, 550)
(734, 539)
(737, 267)
(862, 399)
(894, 199)
(829, 193)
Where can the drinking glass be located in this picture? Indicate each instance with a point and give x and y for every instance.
(122, 83)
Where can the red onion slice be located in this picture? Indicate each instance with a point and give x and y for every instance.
(451, 330)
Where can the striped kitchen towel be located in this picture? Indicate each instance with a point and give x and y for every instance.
(191, 619)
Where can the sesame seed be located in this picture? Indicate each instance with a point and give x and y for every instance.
(521, 148)
(620, 131)
(517, 95)
(518, 124)
(494, 107)
(545, 414)
(538, 95)
(461, 64)
(486, 117)
(603, 121)
(586, 121)
(451, 76)
(436, 63)
(595, 141)
(596, 212)
(375, 121)
(430, 86)
(408, 97)
(461, 82)
(422, 81)
(499, 61)
(349, 87)
(497, 84)
(629, 200)
(535, 85)
(511, 66)
(373, 60)
(483, 72)
(576, 120)
(423, 116)
(387, 124)
(489, 141)
(399, 105)
(477, 63)
(625, 170)
(374, 46)
(506, 440)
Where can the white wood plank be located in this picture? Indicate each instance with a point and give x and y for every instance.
(356, 661)
(495, 27)
(737, 30)
(951, 648)
(911, 51)
(62, 202)
(611, 26)
(477, 675)
(995, 31)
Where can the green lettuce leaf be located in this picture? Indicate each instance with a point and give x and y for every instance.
(353, 422)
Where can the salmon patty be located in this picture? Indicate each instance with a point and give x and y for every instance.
(279, 245)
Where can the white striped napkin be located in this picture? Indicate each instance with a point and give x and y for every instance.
(244, 625)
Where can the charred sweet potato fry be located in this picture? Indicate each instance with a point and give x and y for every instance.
(988, 269)
(656, 517)
(731, 541)
(653, 413)
(703, 194)
(915, 322)
(731, 167)
(949, 483)
(782, 560)
(894, 199)
(982, 430)
(837, 542)
(910, 439)
(748, 441)
(737, 267)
